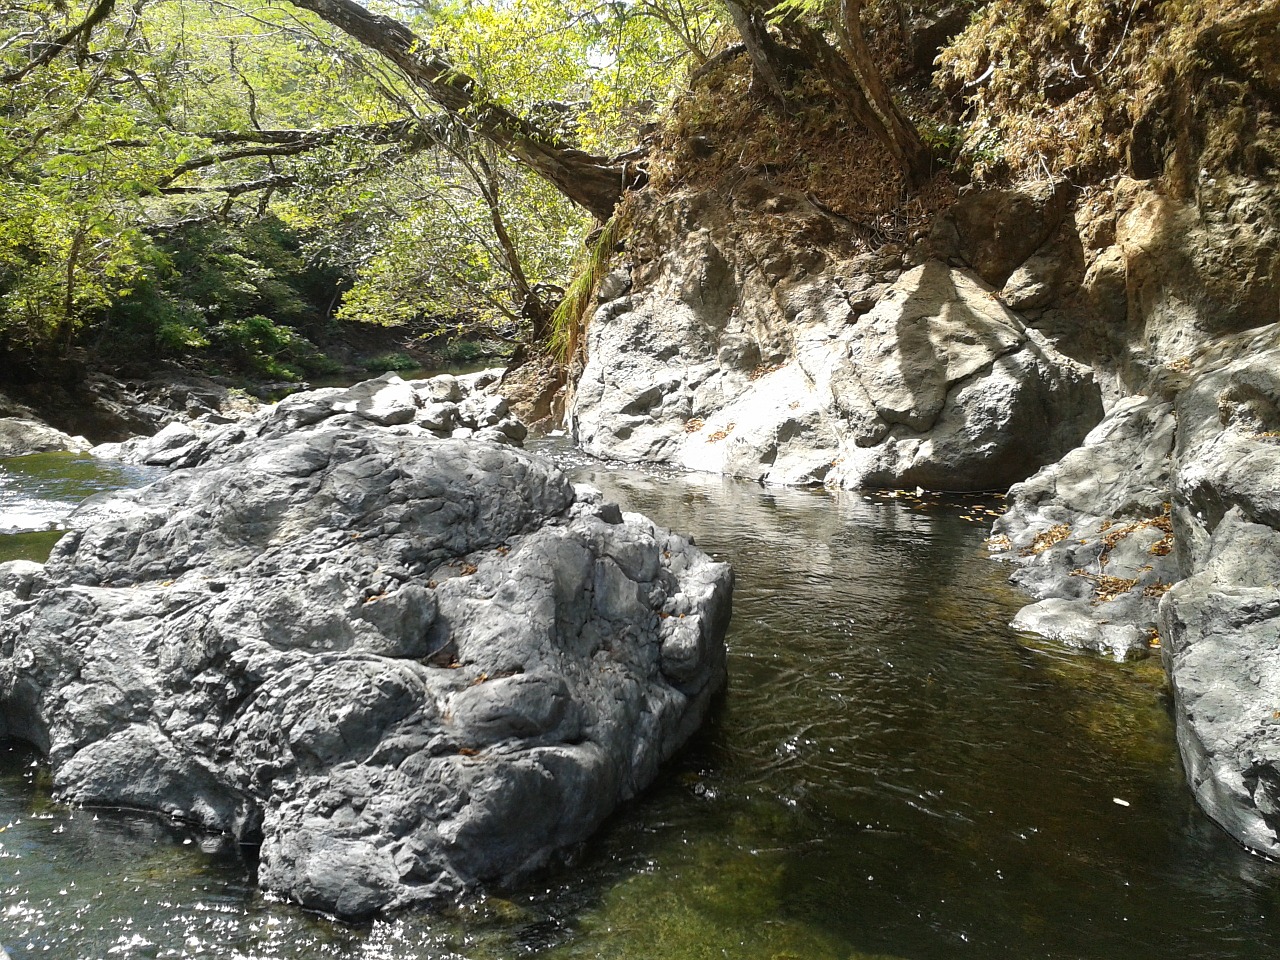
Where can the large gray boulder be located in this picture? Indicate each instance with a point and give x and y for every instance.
(924, 380)
(1220, 629)
(1220, 625)
(404, 665)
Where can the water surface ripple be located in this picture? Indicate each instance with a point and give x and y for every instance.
(892, 773)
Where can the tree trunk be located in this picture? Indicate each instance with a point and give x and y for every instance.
(767, 70)
(523, 294)
(851, 72)
(897, 132)
(594, 183)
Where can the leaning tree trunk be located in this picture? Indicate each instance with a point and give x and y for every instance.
(594, 183)
(895, 130)
(767, 69)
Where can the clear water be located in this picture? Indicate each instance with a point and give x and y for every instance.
(38, 491)
(892, 773)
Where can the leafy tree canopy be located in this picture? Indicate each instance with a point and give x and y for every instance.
(123, 124)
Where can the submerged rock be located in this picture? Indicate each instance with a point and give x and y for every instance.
(405, 665)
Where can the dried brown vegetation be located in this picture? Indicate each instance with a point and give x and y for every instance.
(722, 138)
(1086, 88)
(1047, 538)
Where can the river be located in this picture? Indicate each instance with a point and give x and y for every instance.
(892, 773)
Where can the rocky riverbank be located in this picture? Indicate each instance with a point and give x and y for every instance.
(1163, 530)
(1108, 350)
(364, 635)
(1105, 346)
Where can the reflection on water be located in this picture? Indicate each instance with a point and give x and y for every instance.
(34, 546)
(891, 773)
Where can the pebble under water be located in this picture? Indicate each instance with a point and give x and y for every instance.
(892, 773)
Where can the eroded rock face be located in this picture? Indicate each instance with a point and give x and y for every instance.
(1200, 269)
(1221, 625)
(997, 231)
(406, 665)
(1220, 629)
(1177, 491)
(932, 383)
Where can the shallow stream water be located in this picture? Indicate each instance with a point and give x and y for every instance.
(892, 773)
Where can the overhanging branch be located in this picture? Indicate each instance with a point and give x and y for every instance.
(79, 32)
(593, 182)
(234, 189)
(415, 135)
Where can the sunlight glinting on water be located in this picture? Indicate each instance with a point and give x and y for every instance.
(892, 772)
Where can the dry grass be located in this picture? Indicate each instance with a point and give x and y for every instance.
(1107, 588)
(1056, 86)
(721, 434)
(721, 137)
(1114, 533)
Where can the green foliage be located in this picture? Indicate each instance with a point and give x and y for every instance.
(569, 319)
(206, 276)
(422, 243)
(464, 352)
(591, 70)
(941, 138)
(390, 361)
(258, 345)
(89, 143)
(145, 207)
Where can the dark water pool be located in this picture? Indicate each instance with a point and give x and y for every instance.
(893, 773)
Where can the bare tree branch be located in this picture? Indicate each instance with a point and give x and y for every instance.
(80, 31)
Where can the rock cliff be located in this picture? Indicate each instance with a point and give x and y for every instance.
(724, 349)
(1108, 348)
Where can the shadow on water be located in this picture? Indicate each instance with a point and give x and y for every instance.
(928, 783)
(892, 772)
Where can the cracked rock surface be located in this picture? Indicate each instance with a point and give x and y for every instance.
(1164, 526)
(405, 665)
(852, 376)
